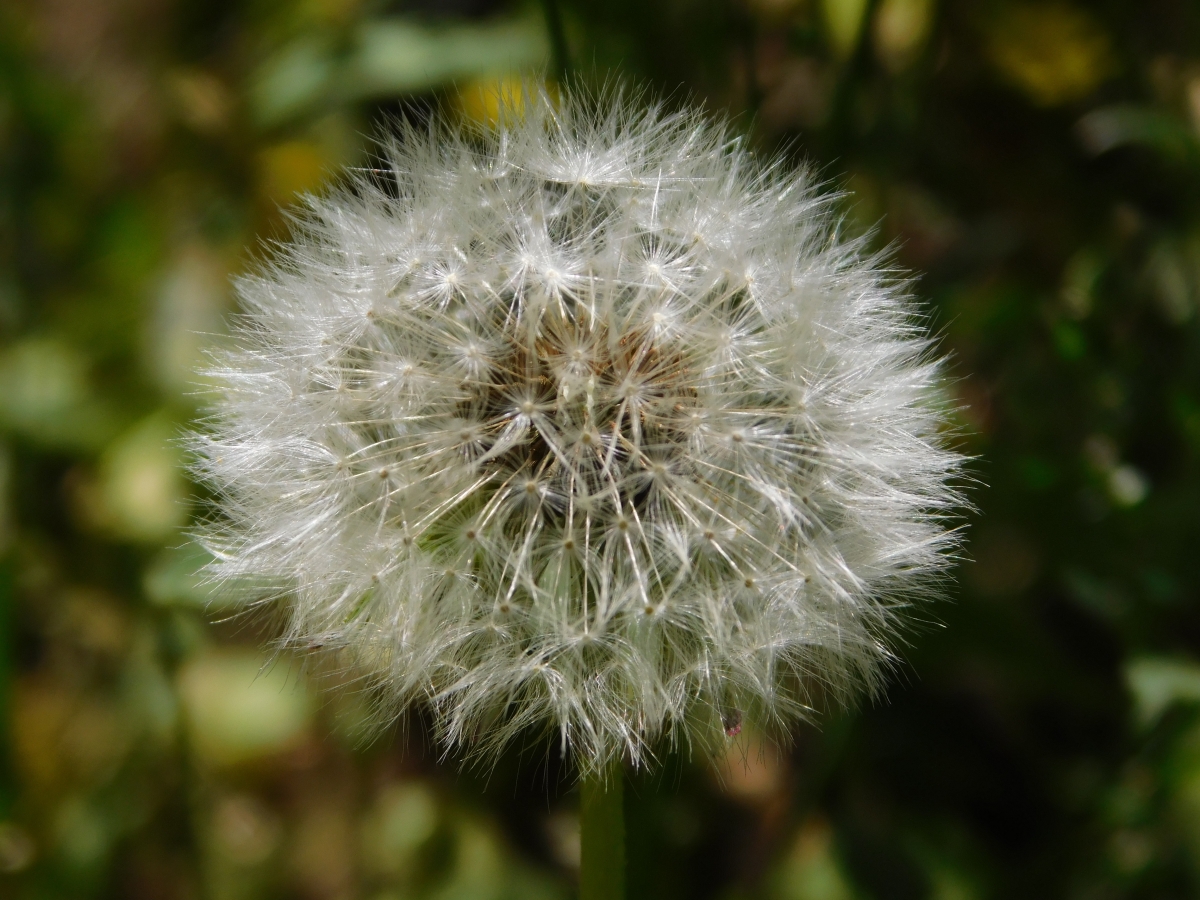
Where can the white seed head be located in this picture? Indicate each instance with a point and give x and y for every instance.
(589, 422)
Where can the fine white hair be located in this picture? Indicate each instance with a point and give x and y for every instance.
(590, 423)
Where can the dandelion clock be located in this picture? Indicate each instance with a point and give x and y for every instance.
(589, 424)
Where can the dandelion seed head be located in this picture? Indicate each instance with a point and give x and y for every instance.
(590, 423)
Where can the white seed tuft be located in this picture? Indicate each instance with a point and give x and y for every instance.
(589, 423)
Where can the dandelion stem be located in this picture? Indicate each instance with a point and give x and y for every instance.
(602, 835)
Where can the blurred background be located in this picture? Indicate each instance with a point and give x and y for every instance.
(1037, 163)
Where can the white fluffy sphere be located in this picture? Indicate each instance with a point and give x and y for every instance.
(588, 423)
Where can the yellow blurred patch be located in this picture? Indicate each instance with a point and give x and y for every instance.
(291, 168)
(62, 738)
(811, 870)
(329, 12)
(1192, 95)
(1053, 53)
(752, 770)
(239, 708)
(200, 100)
(138, 492)
(901, 28)
(844, 23)
(483, 100)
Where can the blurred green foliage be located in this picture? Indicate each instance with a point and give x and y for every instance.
(1037, 163)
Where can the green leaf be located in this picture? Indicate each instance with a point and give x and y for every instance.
(1121, 125)
(388, 57)
(395, 56)
(45, 395)
(140, 492)
(1158, 682)
(240, 707)
(292, 81)
(175, 578)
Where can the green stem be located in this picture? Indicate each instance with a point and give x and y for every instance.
(558, 38)
(7, 645)
(602, 835)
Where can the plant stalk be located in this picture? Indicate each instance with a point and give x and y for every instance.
(558, 39)
(602, 835)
